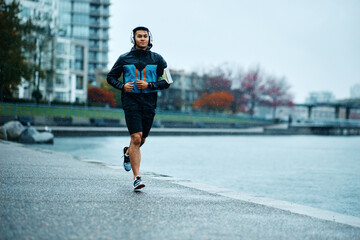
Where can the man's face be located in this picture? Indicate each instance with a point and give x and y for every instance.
(141, 39)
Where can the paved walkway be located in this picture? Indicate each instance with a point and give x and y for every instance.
(47, 195)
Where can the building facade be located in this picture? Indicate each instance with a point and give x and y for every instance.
(43, 13)
(87, 21)
(183, 92)
(76, 48)
(320, 97)
(71, 71)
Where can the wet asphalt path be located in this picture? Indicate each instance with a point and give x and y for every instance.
(48, 195)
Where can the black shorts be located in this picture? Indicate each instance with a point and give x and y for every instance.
(139, 121)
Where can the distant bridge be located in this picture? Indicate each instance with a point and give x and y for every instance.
(336, 105)
(335, 126)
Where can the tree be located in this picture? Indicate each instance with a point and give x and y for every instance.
(102, 96)
(276, 94)
(117, 93)
(41, 36)
(251, 89)
(216, 83)
(218, 79)
(218, 101)
(14, 45)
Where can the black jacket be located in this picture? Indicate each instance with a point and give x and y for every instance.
(144, 65)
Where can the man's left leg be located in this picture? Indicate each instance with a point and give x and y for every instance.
(134, 152)
(142, 143)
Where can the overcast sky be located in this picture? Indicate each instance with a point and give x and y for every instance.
(314, 44)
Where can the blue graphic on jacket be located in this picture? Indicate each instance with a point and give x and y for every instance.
(148, 74)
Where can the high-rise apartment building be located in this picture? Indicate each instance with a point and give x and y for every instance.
(87, 21)
(78, 49)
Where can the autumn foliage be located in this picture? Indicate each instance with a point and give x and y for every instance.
(251, 90)
(276, 93)
(99, 95)
(242, 92)
(214, 101)
(217, 83)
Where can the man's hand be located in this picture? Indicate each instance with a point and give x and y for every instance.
(141, 84)
(128, 87)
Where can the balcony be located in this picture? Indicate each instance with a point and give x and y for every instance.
(94, 48)
(98, 2)
(95, 13)
(94, 37)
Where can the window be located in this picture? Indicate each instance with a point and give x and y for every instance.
(187, 80)
(60, 48)
(105, 44)
(106, 10)
(94, 32)
(94, 9)
(94, 44)
(65, 18)
(46, 16)
(60, 80)
(92, 67)
(92, 56)
(79, 65)
(105, 21)
(81, 19)
(79, 52)
(61, 64)
(60, 96)
(65, 6)
(83, 7)
(95, 21)
(65, 30)
(105, 33)
(91, 79)
(79, 82)
(81, 31)
(104, 57)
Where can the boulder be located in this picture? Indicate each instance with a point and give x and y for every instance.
(3, 134)
(13, 130)
(30, 136)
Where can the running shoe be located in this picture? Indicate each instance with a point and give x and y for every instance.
(127, 164)
(138, 183)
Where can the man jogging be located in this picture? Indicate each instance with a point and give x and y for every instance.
(141, 70)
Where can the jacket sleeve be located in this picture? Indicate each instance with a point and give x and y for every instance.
(114, 74)
(162, 84)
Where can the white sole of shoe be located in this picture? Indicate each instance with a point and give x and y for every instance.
(139, 187)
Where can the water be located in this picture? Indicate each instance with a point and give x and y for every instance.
(317, 171)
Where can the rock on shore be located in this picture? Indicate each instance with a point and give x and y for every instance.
(15, 131)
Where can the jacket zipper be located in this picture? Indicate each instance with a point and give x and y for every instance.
(140, 76)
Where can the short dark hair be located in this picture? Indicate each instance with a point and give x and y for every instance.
(140, 28)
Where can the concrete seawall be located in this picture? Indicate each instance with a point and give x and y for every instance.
(277, 130)
(122, 131)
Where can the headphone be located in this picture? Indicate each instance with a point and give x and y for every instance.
(132, 35)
